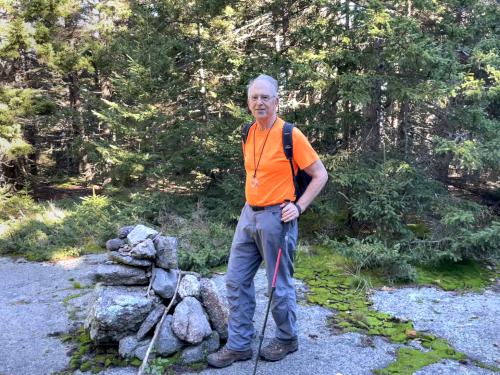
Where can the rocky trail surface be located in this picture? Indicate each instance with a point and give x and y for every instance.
(40, 301)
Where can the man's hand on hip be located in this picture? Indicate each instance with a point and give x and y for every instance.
(289, 211)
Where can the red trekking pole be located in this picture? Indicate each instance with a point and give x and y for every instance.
(273, 287)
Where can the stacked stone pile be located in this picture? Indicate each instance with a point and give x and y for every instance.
(133, 289)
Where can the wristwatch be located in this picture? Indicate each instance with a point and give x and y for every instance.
(298, 208)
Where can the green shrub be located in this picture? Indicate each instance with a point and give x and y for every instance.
(390, 261)
(44, 106)
(13, 206)
(460, 243)
(124, 167)
(395, 218)
(203, 244)
(52, 232)
(74, 228)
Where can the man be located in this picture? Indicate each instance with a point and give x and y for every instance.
(269, 185)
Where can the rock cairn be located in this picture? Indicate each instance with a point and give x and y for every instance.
(133, 289)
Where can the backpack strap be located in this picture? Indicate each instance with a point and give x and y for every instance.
(287, 140)
(244, 131)
(288, 149)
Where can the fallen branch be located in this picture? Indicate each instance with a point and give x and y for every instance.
(151, 279)
(158, 326)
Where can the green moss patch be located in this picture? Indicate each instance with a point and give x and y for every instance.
(86, 356)
(164, 366)
(456, 276)
(72, 296)
(332, 284)
(77, 285)
(487, 366)
(409, 360)
(173, 365)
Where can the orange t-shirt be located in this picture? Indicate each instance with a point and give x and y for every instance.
(274, 175)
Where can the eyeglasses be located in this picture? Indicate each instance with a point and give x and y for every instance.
(264, 98)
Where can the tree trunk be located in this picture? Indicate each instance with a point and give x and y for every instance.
(346, 124)
(30, 134)
(404, 138)
(201, 73)
(370, 134)
(74, 90)
(442, 167)
(74, 157)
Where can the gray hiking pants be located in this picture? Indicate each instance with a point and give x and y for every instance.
(257, 238)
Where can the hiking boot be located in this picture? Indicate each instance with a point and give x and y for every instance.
(226, 357)
(277, 350)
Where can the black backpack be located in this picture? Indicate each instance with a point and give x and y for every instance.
(300, 180)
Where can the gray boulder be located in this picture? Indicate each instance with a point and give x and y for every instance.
(153, 318)
(114, 244)
(142, 348)
(140, 233)
(164, 282)
(124, 231)
(190, 323)
(167, 343)
(116, 312)
(166, 252)
(118, 274)
(216, 305)
(189, 286)
(129, 347)
(144, 250)
(128, 260)
(126, 346)
(199, 352)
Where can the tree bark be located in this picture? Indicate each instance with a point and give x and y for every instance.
(373, 111)
(404, 138)
(201, 73)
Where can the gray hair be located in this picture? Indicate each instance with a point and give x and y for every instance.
(268, 79)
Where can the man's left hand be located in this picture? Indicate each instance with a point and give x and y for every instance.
(289, 212)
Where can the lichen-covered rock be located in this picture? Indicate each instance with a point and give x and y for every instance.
(198, 353)
(140, 233)
(153, 318)
(166, 252)
(114, 244)
(127, 346)
(190, 323)
(189, 286)
(167, 343)
(144, 250)
(124, 231)
(164, 282)
(128, 260)
(117, 312)
(216, 306)
(118, 274)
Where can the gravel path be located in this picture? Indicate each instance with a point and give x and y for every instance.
(35, 308)
(34, 313)
(469, 321)
(320, 351)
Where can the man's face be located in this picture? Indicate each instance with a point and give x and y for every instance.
(262, 100)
